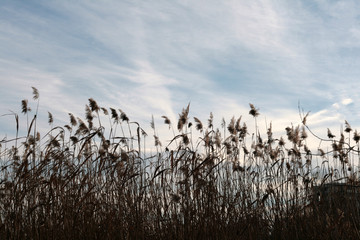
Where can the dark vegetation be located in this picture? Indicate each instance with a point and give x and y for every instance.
(81, 181)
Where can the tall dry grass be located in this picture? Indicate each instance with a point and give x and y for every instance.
(81, 181)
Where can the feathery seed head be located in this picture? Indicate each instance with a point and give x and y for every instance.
(218, 138)
(253, 111)
(281, 141)
(72, 119)
(152, 123)
(68, 127)
(88, 113)
(114, 115)
(157, 141)
(185, 138)
(304, 119)
(50, 118)
(183, 117)
(356, 136)
(93, 105)
(303, 133)
(105, 111)
(166, 120)
(123, 116)
(35, 93)
(82, 128)
(24, 106)
(238, 125)
(198, 125)
(210, 120)
(231, 126)
(330, 135)
(347, 127)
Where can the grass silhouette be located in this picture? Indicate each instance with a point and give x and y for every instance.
(80, 181)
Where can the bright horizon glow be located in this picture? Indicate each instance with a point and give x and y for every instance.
(154, 58)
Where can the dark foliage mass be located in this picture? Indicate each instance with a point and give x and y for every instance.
(82, 181)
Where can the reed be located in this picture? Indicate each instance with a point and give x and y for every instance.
(81, 181)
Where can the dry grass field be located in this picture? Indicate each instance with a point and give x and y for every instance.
(82, 181)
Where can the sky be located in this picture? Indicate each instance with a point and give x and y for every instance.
(154, 57)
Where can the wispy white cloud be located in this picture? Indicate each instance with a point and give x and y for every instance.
(155, 58)
(347, 101)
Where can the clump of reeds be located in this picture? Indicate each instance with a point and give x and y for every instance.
(81, 181)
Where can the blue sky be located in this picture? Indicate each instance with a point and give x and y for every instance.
(153, 58)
